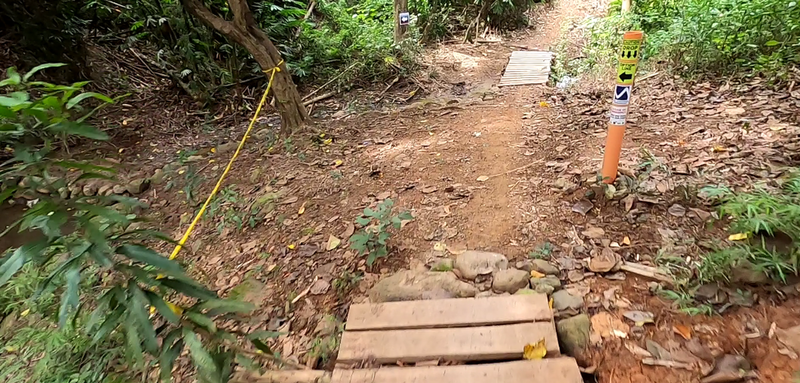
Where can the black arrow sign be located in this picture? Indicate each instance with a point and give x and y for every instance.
(625, 76)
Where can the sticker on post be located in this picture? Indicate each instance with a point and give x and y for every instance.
(630, 50)
(405, 18)
(618, 115)
(622, 94)
(625, 73)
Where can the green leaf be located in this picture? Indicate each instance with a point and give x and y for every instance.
(132, 340)
(41, 67)
(109, 324)
(78, 253)
(772, 43)
(70, 299)
(77, 99)
(18, 258)
(202, 321)
(189, 288)
(162, 308)
(13, 77)
(363, 221)
(169, 353)
(405, 216)
(261, 346)
(149, 257)
(79, 129)
(138, 309)
(200, 357)
(224, 306)
(99, 312)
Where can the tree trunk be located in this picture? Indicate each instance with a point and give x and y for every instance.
(400, 6)
(244, 31)
(626, 6)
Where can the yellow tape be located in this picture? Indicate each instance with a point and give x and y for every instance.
(227, 168)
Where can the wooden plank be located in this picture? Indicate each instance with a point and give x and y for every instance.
(557, 370)
(504, 342)
(459, 312)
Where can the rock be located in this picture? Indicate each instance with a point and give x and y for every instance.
(252, 291)
(262, 134)
(582, 207)
(473, 263)
(677, 210)
(594, 232)
(138, 186)
(407, 285)
(604, 262)
(510, 280)
(158, 177)
(118, 189)
(525, 292)
(563, 300)
(319, 287)
(544, 289)
(549, 280)
(745, 272)
(442, 264)
(544, 267)
(194, 159)
(89, 189)
(326, 325)
(225, 148)
(573, 334)
(105, 189)
(63, 192)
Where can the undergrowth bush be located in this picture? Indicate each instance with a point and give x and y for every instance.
(723, 36)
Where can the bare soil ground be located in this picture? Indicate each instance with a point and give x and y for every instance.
(537, 145)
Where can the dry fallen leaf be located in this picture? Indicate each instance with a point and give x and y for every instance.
(439, 246)
(683, 330)
(337, 163)
(333, 243)
(483, 178)
(302, 209)
(536, 274)
(535, 351)
(626, 241)
(738, 237)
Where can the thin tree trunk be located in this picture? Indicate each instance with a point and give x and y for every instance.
(244, 31)
(400, 6)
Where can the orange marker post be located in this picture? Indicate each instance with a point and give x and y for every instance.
(626, 71)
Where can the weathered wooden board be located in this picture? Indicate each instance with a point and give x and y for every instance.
(557, 370)
(505, 342)
(449, 313)
(527, 67)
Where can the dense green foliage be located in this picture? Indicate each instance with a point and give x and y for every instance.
(378, 226)
(92, 250)
(697, 37)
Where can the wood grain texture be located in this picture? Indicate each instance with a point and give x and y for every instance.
(557, 370)
(505, 342)
(441, 313)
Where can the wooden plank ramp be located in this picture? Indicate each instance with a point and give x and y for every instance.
(527, 67)
(472, 340)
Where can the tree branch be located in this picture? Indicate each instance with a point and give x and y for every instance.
(240, 12)
(197, 9)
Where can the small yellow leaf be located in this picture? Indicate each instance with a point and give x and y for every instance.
(544, 104)
(536, 274)
(438, 246)
(175, 308)
(333, 243)
(337, 163)
(302, 209)
(626, 241)
(213, 150)
(327, 141)
(535, 351)
(292, 246)
(483, 178)
(550, 303)
(25, 313)
(719, 149)
(212, 161)
(738, 237)
(9, 348)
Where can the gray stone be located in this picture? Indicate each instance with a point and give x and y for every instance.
(105, 189)
(573, 334)
(473, 263)
(326, 326)
(563, 300)
(158, 176)
(118, 189)
(319, 287)
(510, 280)
(262, 134)
(89, 189)
(63, 192)
(745, 272)
(407, 285)
(194, 159)
(544, 267)
(138, 186)
(442, 264)
(225, 148)
(544, 289)
(549, 280)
